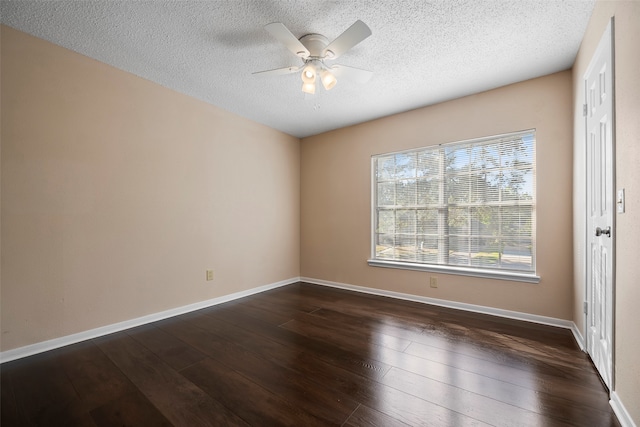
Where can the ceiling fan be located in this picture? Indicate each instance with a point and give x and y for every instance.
(314, 50)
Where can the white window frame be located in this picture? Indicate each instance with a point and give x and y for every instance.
(482, 272)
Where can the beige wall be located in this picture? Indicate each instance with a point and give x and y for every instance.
(627, 112)
(336, 193)
(118, 194)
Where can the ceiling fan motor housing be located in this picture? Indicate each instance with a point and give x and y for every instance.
(315, 44)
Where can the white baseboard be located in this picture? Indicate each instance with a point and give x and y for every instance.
(578, 336)
(18, 353)
(620, 411)
(551, 321)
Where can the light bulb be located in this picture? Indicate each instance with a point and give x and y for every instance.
(309, 74)
(328, 79)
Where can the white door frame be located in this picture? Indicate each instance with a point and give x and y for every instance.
(607, 41)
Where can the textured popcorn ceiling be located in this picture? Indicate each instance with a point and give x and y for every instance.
(421, 52)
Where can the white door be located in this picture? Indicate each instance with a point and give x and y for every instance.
(600, 206)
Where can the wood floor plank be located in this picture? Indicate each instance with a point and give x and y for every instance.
(132, 409)
(326, 332)
(502, 408)
(10, 414)
(273, 314)
(410, 312)
(328, 371)
(178, 399)
(362, 389)
(371, 307)
(372, 334)
(314, 368)
(171, 350)
(529, 398)
(522, 378)
(415, 411)
(528, 378)
(96, 379)
(284, 299)
(461, 344)
(412, 408)
(484, 343)
(254, 404)
(480, 343)
(332, 406)
(347, 360)
(367, 417)
(43, 392)
(491, 411)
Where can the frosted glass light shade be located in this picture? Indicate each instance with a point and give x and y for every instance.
(309, 88)
(328, 79)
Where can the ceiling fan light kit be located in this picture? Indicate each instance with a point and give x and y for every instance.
(310, 72)
(314, 49)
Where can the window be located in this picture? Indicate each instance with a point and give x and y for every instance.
(466, 207)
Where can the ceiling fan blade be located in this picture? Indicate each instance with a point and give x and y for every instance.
(357, 75)
(282, 33)
(278, 71)
(345, 41)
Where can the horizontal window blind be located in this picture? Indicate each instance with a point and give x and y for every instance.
(470, 203)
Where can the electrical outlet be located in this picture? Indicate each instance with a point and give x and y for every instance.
(433, 282)
(209, 274)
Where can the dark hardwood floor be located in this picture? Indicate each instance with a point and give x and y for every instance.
(306, 355)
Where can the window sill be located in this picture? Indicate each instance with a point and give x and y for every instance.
(462, 271)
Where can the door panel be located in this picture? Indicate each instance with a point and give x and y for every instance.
(600, 205)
